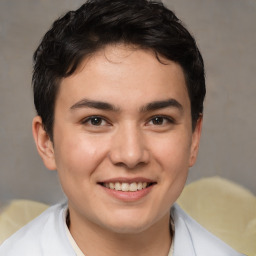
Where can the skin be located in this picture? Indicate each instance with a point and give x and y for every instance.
(131, 138)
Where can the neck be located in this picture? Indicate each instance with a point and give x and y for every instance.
(95, 240)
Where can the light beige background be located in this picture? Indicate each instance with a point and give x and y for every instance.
(226, 34)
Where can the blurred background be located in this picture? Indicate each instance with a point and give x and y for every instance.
(226, 34)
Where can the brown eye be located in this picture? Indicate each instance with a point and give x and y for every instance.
(96, 121)
(158, 120)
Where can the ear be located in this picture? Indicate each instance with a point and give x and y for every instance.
(43, 143)
(195, 141)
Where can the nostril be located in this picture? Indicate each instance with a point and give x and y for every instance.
(128, 150)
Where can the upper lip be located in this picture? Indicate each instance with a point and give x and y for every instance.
(127, 180)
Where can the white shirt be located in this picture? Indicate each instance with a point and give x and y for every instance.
(47, 236)
(80, 253)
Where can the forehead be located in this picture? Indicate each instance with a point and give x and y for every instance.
(124, 73)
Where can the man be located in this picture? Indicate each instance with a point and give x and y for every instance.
(119, 88)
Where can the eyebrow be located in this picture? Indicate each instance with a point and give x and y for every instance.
(85, 103)
(155, 105)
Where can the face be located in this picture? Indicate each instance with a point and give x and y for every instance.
(123, 140)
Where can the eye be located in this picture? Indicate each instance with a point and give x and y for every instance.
(95, 121)
(160, 120)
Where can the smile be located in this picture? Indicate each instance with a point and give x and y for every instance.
(128, 190)
(127, 187)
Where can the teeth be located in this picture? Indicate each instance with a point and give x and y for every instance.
(111, 185)
(126, 187)
(133, 187)
(140, 186)
(118, 186)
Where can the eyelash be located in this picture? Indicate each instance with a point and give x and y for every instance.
(168, 119)
(88, 119)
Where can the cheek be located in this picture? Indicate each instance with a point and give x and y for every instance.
(173, 153)
(77, 160)
(78, 155)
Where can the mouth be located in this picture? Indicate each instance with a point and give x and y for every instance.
(128, 189)
(126, 186)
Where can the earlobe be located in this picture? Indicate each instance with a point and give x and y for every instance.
(195, 141)
(43, 143)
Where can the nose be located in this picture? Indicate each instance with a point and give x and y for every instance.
(128, 147)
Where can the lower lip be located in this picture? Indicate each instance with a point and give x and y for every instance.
(128, 196)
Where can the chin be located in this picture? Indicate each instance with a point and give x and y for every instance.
(129, 223)
(128, 229)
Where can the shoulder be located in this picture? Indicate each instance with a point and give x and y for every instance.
(198, 239)
(45, 235)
